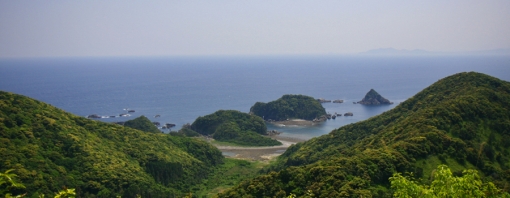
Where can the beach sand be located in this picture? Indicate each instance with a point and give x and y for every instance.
(264, 153)
(295, 122)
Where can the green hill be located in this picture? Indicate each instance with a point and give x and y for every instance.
(142, 123)
(289, 106)
(235, 127)
(462, 121)
(51, 149)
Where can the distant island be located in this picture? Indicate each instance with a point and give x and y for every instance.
(289, 107)
(420, 52)
(393, 51)
(374, 98)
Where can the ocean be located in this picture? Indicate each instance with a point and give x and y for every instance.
(180, 89)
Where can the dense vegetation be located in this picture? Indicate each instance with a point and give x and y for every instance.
(186, 132)
(462, 121)
(50, 149)
(445, 184)
(288, 107)
(142, 123)
(227, 175)
(8, 184)
(235, 127)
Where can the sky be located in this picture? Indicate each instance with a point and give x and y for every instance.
(92, 28)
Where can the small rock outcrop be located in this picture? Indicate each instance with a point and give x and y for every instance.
(322, 100)
(374, 98)
(338, 101)
(94, 116)
(348, 114)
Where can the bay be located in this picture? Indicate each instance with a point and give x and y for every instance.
(180, 89)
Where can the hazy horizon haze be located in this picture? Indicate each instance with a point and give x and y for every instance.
(211, 28)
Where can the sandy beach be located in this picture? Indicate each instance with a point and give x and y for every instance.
(295, 122)
(264, 153)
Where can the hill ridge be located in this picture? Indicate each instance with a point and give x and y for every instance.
(50, 148)
(462, 120)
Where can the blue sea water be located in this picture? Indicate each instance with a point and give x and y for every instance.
(180, 89)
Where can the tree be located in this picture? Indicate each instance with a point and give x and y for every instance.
(7, 183)
(446, 185)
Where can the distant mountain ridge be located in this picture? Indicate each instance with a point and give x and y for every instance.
(462, 121)
(393, 51)
(420, 52)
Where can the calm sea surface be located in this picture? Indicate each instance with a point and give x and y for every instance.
(182, 89)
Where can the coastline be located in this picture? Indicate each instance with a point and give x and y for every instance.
(295, 122)
(264, 153)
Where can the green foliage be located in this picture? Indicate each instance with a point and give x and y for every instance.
(8, 184)
(462, 120)
(142, 123)
(445, 184)
(231, 132)
(289, 106)
(50, 149)
(67, 193)
(232, 172)
(235, 127)
(188, 132)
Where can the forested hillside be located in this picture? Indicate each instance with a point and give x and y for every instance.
(51, 149)
(235, 127)
(462, 121)
(289, 106)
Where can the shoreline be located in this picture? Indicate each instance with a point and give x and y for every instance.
(256, 153)
(295, 122)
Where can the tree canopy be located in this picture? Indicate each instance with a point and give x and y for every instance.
(445, 184)
(50, 149)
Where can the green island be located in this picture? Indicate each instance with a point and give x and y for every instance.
(452, 139)
(289, 107)
(234, 127)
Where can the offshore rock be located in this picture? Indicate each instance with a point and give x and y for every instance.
(94, 116)
(322, 100)
(374, 98)
(338, 101)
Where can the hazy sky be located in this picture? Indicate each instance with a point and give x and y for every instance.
(173, 28)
